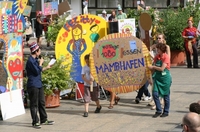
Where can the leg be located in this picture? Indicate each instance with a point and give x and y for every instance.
(41, 103)
(188, 58)
(167, 104)
(146, 91)
(33, 96)
(86, 98)
(112, 99)
(195, 56)
(94, 97)
(157, 102)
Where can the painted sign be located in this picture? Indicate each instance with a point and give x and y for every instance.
(119, 63)
(76, 39)
(11, 28)
(50, 8)
(127, 26)
(27, 11)
(6, 7)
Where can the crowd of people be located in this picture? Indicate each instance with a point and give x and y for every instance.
(160, 83)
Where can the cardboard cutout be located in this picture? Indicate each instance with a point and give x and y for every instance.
(76, 39)
(119, 63)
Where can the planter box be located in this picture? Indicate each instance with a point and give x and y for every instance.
(52, 101)
(177, 58)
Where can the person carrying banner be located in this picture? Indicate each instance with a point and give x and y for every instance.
(34, 87)
(89, 93)
(161, 80)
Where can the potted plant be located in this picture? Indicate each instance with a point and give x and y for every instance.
(172, 22)
(56, 79)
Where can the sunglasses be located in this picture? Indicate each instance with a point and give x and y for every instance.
(158, 38)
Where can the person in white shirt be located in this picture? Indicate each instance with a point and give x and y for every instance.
(91, 90)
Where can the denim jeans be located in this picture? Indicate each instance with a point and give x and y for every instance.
(143, 89)
(158, 105)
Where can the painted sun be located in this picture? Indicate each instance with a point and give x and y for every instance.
(20, 5)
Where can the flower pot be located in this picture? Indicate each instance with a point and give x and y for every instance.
(177, 58)
(52, 101)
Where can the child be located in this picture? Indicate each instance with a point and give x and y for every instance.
(88, 93)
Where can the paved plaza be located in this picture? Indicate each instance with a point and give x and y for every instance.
(124, 117)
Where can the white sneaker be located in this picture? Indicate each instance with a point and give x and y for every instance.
(147, 98)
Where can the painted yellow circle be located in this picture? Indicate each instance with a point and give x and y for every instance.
(77, 38)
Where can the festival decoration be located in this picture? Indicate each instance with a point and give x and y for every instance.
(127, 26)
(11, 28)
(27, 11)
(76, 39)
(119, 63)
(50, 8)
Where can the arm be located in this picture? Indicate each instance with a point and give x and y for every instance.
(43, 23)
(68, 47)
(84, 46)
(83, 76)
(168, 51)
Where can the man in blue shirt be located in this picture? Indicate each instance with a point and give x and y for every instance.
(34, 86)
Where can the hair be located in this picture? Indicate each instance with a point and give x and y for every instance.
(195, 107)
(79, 27)
(87, 57)
(164, 41)
(162, 47)
(93, 26)
(32, 53)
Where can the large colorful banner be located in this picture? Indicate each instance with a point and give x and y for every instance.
(76, 39)
(119, 63)
(11, 28)
(127, 26)
(50, 8)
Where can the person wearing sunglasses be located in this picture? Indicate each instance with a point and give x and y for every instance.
(191, 122)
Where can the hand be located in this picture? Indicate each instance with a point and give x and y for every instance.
(41, 61)
(150, 82)
(48, 67)
(151, 67)
(83, 41)
(88, 82)
(71, 41)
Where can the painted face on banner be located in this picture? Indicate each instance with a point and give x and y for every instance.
(77, 38)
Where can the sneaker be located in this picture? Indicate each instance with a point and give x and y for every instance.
(153, 107)
(37, 125)
(156, 114)
(147, 98)
(48, 123)
(137, 100)
(85, 114)
(98, 110)
(164, 115)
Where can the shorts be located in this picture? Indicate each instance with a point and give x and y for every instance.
(91, 95)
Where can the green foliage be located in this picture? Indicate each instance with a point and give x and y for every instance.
(57, 77)
(55, 27)
(172, 22)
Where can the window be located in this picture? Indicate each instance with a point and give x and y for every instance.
(155, 3)
(92, 3)
(130, 3)
(108, 3)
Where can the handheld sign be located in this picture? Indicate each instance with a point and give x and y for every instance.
(119, 63)
(146, 22)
